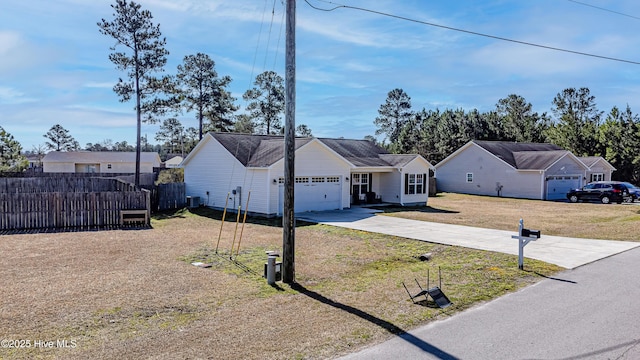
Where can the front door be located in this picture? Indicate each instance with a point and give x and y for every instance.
(360, 186)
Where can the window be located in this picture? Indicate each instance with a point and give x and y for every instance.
(469, 177)
(415, 184)
(108, 166)
(302, 180)
(419, 183)
(333, 179)
(597, 177)
(412, 184)
(317, 179)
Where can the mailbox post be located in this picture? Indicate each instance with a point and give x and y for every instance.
(524, 236)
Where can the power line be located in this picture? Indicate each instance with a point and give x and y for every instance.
(338, 6)
(603, 9)
(266, 52)
(255, 54)
(275, 56)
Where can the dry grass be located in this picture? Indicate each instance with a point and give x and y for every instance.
(133, 294)
(581, 220)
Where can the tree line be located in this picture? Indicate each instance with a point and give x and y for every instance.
(575, 124)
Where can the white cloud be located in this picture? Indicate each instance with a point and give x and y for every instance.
(10, 96)
(99, 85)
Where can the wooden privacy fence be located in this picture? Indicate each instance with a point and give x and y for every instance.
(171, 196)
(145, 178)
(39, 203)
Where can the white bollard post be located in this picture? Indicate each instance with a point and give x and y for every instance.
(271, 270)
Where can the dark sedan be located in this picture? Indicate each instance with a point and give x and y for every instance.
(602, 191)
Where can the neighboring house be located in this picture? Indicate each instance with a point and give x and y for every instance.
(599, 169)
(100, 162)
(35, 161)
(174, 162)
(329, 173)
(519, 170)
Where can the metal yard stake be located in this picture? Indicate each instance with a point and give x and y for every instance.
(235, 232)
(244, 220)
(224, 214)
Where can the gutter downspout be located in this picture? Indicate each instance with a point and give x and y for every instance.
(543, 183)
(401, 185)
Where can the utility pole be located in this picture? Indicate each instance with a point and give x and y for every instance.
(288, 218)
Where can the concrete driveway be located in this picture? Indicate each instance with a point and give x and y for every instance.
(566, 252)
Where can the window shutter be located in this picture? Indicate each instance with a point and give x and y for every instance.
(370, 181)
(425, 183)
(406, 184)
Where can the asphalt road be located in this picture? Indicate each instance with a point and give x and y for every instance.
(591, 312)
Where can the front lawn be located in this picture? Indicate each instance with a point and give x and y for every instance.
(134, 293)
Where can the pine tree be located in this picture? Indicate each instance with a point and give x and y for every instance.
(266, 102)
(144, 56)
(203, 91)
(393, 115)
(11, 158)
(60, 139)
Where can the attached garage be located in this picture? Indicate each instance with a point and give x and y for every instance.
(559, 186)
(314, 193)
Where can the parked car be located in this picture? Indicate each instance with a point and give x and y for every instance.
(634, 192)
(603, 191)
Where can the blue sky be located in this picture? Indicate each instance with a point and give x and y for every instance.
(54, 66)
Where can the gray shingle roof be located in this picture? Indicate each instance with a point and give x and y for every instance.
(524, 156)
(255, 150)
(357, 152)
(537, 160)
(398, 159)
(590, 160)
(265, 150)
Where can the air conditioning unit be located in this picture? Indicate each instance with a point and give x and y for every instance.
(193, 201)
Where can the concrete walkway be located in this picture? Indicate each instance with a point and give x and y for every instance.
(566, 252)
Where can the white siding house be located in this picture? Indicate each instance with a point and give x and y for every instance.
(329, 173)
(519, 170)
(100, 162)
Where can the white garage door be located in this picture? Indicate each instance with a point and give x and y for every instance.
(314, 193)
(559, 186)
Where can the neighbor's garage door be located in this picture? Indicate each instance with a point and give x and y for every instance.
(559, 186)
(315, 193)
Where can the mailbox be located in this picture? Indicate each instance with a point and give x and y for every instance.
(531, 233)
